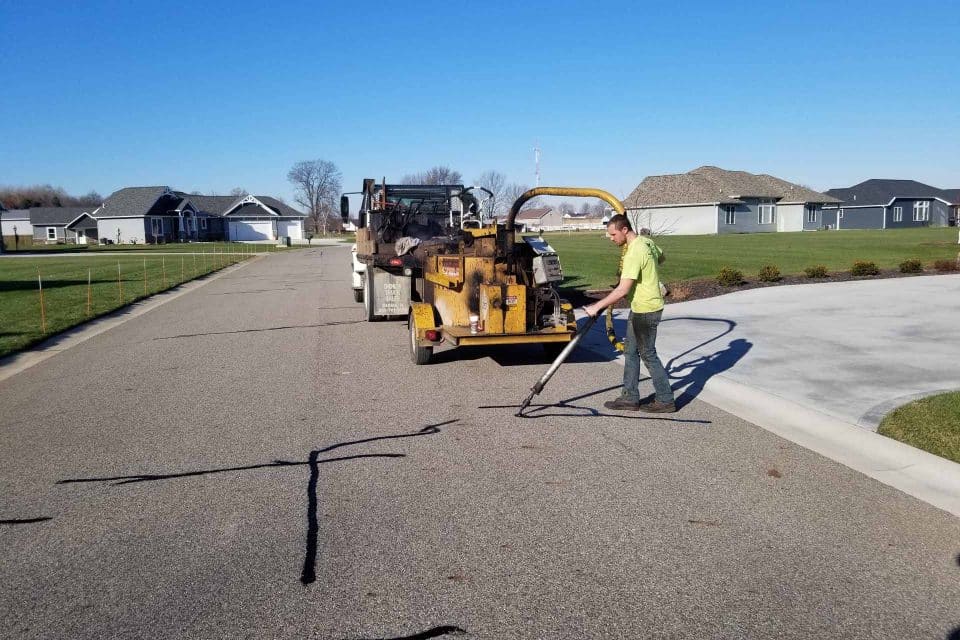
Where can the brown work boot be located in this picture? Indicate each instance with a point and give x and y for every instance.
(658, 407)
(621, 404)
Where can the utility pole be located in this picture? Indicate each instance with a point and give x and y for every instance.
(536, 160)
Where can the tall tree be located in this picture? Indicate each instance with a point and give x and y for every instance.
(316, 186)
(435, 175)
(239, 192)
(513, 191)
(496, 182)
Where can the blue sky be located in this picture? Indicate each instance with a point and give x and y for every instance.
(215, 95)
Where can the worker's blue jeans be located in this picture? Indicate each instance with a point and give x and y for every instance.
(641, 344)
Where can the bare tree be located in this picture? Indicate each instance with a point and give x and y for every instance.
(497, 184)
(316, 186)
(436, 175)
(239, 192)
(513, 191)
(566, 208)
(44, 196)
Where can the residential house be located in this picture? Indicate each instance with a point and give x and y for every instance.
(159, 214)
(711, 200)
(263, 218)
(575, 221)
(890, 204)
(146, 215)
(539, 219)
(62, 225)
(209, 216)
(15, 225)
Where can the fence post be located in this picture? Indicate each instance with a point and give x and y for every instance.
(43, 311)
(163, 270)
(119, 283)
(181, 269)
(89, 292)
(144, 276)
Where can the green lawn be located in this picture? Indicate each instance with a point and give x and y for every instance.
(590, 260)
(65, 289)
(172, 247)
(931, 424)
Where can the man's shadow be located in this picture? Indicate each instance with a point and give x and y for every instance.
(691, 376)
(688, 378)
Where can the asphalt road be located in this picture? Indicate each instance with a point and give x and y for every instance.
(251, 460)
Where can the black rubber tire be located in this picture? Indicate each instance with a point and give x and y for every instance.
(419, 355)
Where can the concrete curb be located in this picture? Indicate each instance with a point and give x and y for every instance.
(927, 477)
(16, 363)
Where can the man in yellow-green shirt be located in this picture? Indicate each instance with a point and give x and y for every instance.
(640, 280)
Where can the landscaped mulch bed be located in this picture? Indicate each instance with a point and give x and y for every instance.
(700, 288)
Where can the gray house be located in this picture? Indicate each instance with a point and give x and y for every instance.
(891, 204)
(159, 214)
(711, 200)
(146, 215)
(59, 225)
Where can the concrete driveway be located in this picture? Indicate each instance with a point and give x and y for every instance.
(820, 363)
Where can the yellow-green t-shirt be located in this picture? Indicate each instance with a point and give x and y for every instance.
(640, 265)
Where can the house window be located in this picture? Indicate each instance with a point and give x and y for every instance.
(765, 215)
(730, 212)
(51, 233)
(921, 211)
(156, 226)
(840, 213)
(898, 214)
(203, 223)
(812, 213)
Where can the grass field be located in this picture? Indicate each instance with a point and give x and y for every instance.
(931, 424)
(171, 247)
(65, 288)
(590, 260)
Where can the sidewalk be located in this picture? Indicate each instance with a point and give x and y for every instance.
(821, 365)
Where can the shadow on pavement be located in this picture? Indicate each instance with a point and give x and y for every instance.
(435, 632)
(576, 410)
(284, 328)
(308, 574)
(16, 521)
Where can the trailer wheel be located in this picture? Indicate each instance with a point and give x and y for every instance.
(358, 295)
(418, 354)
(367, 293)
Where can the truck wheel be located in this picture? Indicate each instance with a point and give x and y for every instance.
(419, 355)
(358, 295)
(367, 293)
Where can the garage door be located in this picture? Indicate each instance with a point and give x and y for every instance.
(250, 230)
(290, 228)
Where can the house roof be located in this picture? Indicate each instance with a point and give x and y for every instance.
(130, 201)
(55, 216)
(15, 214)
(280, 207)
(533, 214)
(260, 206)
(952, 195)
(713, 185)
(215, 205)
(880, 191)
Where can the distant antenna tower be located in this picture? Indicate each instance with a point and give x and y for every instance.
(536, 159)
